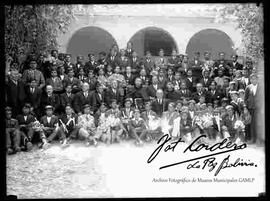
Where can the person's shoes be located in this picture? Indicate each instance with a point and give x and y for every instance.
(29, 146)
(9, 151)
(17, 149)
(45, 145)
(87, 144)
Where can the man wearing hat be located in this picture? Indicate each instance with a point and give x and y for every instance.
(33, 73)
(13, 134)
(86, 125)
(25, 121)
(50, 126)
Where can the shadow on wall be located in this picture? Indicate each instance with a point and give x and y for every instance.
(90, 40)
(211, 40)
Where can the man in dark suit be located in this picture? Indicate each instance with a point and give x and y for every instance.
(25, 121)
(160, 104)
(79, 64)
(111, 59)
(67, 98)
(91, 64)
(129, 50)
(56, 82)
(138, 91)
(98, 97)
(102, 61)
(234, 63)
(49, 98)
(214, 93)
(129, 77)
(153, 87)
(81, 98)
(183, 91)
(196, 64)
(113, 92)
(91, 80)
(67, 63)
(71, 80)
(135, 63)
(122, 61)
(191, 81)
(51, 129)
(148, 63)
(206, 80)
(174, 62)
(162, 80)
(144, 77)
(253, 93)
(68, 122)
(170, 93)
(199, 92)
(15, 92)
(34, 95)
(221, 63)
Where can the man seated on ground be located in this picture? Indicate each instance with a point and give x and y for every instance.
(87, 128)
(137, 127)
(50, 128)
(13, 134)
(68, 124)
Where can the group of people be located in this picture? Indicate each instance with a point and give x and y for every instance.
(120, 96)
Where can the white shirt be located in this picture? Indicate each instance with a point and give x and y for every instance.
(254, 89)
(49, 119)
(85, 94)
(25, 118)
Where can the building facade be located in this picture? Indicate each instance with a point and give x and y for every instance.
(184, 27)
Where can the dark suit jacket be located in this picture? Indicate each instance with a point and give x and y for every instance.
(71, 125)
(70, 65)
(109, 95)
(172, 95)
(251, 100)
(44, 121)
(76, 85)
(90, 66)
(96, 99)
(64, 99)
(34, 98)
(57, 85)
(207, 84)
(15, 96)
(129, 53)
(174, 63)
(151, 91)
(92, 83)
(111, 62)
(185, 93)
(54, 100)
(237, 65)
(218, 95)
(122, 63)
(80, 100)
(135, 92)
(195, 96)
(130, 80)
(191, 85)
(159, 108)
(21, 121)
(135, 66)
(148, 65)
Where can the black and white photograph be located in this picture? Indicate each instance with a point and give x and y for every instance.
(134, 100)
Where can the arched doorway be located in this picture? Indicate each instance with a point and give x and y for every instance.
(152, 39)
(90, 40)
(211, 40)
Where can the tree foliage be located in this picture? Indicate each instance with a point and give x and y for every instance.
(35, 28)
(249, 18)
